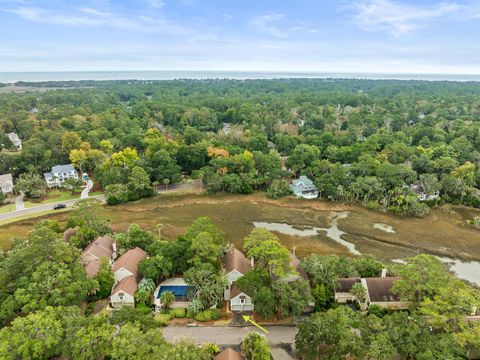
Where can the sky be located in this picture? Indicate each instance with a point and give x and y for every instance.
(348, 36)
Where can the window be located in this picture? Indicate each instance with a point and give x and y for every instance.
(120, 296)
(242, 299)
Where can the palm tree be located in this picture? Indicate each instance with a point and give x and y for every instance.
(166, 299)
(146, 285)
(166, 182)
(159, 228)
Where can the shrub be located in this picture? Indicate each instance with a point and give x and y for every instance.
(163, 319)
(207, 315)
(179, 312)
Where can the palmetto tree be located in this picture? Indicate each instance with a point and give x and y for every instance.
(146, 285)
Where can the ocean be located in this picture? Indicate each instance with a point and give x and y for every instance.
(11, 77)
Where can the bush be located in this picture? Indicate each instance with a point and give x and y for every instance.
(163, 319)
(179, 313)
(278, 189)
(207, 315)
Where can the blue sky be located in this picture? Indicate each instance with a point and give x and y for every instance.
(387, 36)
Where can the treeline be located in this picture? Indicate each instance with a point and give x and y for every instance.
(385, 144)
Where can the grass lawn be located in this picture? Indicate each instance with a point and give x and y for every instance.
(53, 196)
(7, 208)
(95, 193)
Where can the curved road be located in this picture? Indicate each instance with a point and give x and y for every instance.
(45, 207)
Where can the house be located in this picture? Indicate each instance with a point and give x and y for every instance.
(179, 288)
(422, 195)
(127, 264)
(123, 292)
(343, 290)
(377, 292)
(229, 354)
(235, 265)
(125, 271)
(239, 301)
(6, 183)
(102, 246)
(15, 140)
(304, 188)
(59, 174)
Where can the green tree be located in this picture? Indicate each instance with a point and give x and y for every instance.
(208, 284)
(265, 303)
(31, 185)
(93, 340)
(104, 278)
(166, 299)
(255, 347)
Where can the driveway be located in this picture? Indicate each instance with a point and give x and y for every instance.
(19, 205)
(86, 190)
(42, 208)
(229, 335)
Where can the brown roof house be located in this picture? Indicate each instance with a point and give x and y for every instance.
(102, 246)
(377, 292)
(235, 265)
(229, 354)
(126, 275)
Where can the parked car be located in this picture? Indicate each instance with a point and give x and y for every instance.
(59, 206)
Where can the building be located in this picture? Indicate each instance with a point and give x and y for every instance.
(6, 183)
(103, 246)
(422, 195)
(59, 174)
(127, 264)
(125, 271)
(15, 140)
(377, 292)
(239, 301)
(235, 265)
(304, 188)
(229, 354)
(123, 292)
(179, 288)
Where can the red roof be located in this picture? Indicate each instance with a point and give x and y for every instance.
(100, 247)
(127, 285)
(229, 354)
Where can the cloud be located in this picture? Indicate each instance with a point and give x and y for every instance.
(267, 24)
(399, 18)
(157, 4)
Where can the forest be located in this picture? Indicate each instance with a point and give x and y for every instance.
(379, 143)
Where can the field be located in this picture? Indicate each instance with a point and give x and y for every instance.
(444, 232)
(53, 196)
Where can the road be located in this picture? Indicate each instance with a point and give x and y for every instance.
(42, 208)
(229, 335)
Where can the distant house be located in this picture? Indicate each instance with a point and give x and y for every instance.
(235, 265)
(377, 292)
(59, 174)
(179, 288)
(421, 193)
(123, 292)
(15, 140)
(6, 183)
(239, 301)
(229, 354)
(127, 264)
(103, 246)
(304, 188)
(126, 275)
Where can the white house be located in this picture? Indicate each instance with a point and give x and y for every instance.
(123, 293)
(6, 183)
(59, 174)
(304, 187)
(125, 271)
(239, 301)
(15, 140)
(422, 195)
(127, 264)
(235, 265)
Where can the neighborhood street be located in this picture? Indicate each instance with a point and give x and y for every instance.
(45, 207)
(229, 335)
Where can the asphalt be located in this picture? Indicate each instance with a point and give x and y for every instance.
(42, 208)
(277, 335)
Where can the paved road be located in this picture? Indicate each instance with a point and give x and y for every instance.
(229, 335)
(45, 207)
(19, 205)
(192, 186)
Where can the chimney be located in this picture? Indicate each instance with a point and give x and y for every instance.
(384, 273)
(252, 262)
